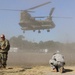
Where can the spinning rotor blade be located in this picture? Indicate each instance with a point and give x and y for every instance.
(62, 17)
(15, 10)
(26, 9)
(51, 12)
(9, 10)
(53, 17)
(40, 17)
(38, 6)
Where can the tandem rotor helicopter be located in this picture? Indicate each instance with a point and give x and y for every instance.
(27, 22)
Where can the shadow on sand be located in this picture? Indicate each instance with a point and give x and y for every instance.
(68, 70)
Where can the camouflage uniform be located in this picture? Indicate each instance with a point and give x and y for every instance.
(57, 60)
(4, 48)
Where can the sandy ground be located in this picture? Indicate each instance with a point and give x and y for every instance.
(25, 62)
(37, 70)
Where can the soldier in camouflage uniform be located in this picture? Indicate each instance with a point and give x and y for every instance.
(57, 61)
(4, 48)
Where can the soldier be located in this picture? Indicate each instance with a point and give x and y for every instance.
(57, 62)
(4, 48)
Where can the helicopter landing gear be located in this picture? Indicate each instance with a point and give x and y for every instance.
(48, 30)
(33, 30)
(23, 31)
(39, 31)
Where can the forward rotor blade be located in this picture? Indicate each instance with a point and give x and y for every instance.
(51, 12)
(38, 6)
(10, 10)
(26, 9)
(15, 10)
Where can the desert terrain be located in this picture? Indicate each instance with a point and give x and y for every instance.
(37, 70)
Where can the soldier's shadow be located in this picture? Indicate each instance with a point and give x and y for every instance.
(68, 70)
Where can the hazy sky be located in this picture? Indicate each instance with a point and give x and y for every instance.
(63, 32)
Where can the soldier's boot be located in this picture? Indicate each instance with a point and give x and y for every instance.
(61, 69)
(54, 70)
(4, 66)
(0, 64)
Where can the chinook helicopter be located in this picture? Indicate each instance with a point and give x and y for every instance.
(30, 23)
(27, 22)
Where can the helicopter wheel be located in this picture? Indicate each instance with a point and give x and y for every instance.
(33, 30)
(23, 31)
(39, 31)
(48, 30)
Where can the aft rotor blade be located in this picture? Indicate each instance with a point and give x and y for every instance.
(62, 17)
(52, 17)
(38, 6)
(40, 17)
(51, 12)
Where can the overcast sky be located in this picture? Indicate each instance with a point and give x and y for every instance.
(63, 32)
